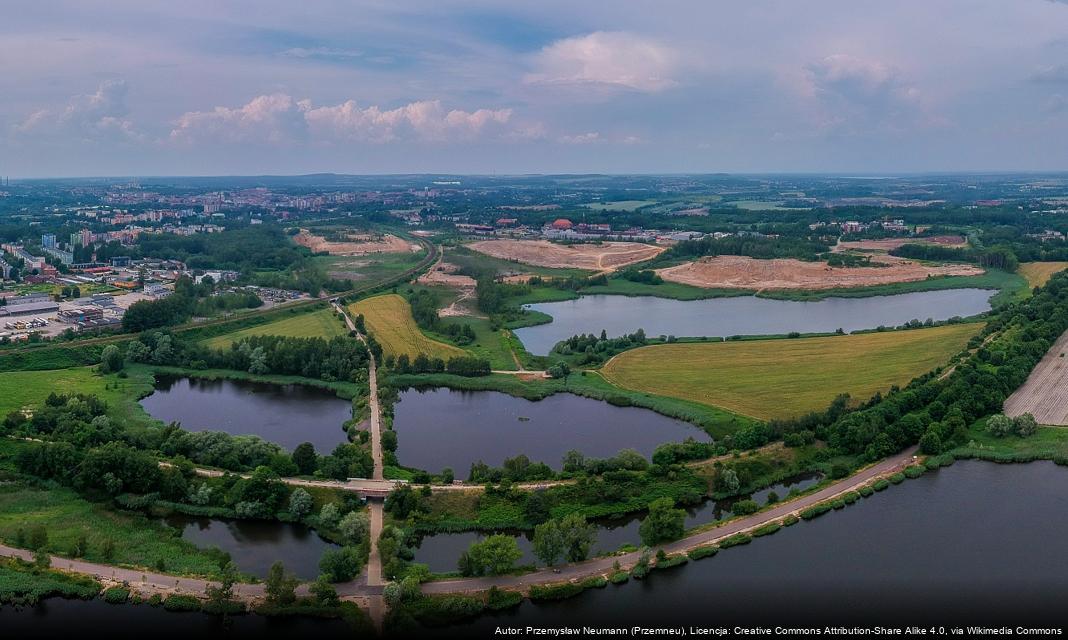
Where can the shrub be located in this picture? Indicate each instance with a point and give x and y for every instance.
(866, 491)
(735, 540)
(790, 520)
(672, 561)
(815, 511)
(706, 551)
(116, 595)
(178, 602)
(497, 599)
(897, 478)
(915, 471)
(881, 484)
(744, 507)
(619, 577)
(766, 530)
(555, 591)
(851, 497)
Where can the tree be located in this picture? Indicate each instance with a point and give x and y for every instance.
(999, 425)
(1025, 425)
(329, 515)
(495, 555)
(728, 481)
(578, 536)
(664, 522)
(354, 527)
(300, 503)
(257, 362)
(340, 565)
(280, 587)
(548, 542)
(223, 592)
(41, 559)
(305, 459)
(111, 359)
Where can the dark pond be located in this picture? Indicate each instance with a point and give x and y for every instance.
(743, 315)
(439, 428)
(254, 545)
(975, 543)
(284, 414)
(441, 551)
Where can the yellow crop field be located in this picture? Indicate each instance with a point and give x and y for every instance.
(1038, 273)
(782, 378)
(323, 323)
(389, 319)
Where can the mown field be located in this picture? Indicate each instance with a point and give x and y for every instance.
(22, 389)
(1038, 273)
(389, 319)
(323, 323)
(786, 377)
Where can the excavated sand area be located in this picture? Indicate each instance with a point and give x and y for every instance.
(889, 244)
(741, 272)
(606, 256)
(357, 245)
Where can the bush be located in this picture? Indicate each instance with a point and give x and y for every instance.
(915, 471)
(897, 478)
(177, 602)
(838, 504)
(744, 507)
(673, 560)
(881, 484)
(766, 530)
(815, 511)
(497, 599)
(851, 497)
(116, 595)
(555, 591)
(865, 491)
(706, 551)
(735, 540)
(619, 577)
(790, 520)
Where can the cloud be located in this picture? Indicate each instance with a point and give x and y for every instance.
(858, 95)
(581, 138)
(606, 59)
(1053, 74)
(279, 118)
(327, 53)
(95, 116)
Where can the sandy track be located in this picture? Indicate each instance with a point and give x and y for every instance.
(1045, 394)
(358, 245)
(741, 272)
(607, 256)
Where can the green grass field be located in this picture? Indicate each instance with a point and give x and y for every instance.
(22, 389)
(323, 323)
(1038, 273)
(619, 205)
(786, 377)
(389, 319)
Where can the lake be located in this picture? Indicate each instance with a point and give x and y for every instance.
(285, 414)
(254, 545)
(742, 315)
(439, 428)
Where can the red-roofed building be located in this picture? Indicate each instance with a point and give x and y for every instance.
(562, 224)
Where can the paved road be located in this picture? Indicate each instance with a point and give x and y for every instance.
(603, 566)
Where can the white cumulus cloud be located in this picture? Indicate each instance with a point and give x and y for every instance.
(608, 59)
(95, 116)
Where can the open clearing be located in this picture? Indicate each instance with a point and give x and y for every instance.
(619, 205)
(606, 256)
(389, 319)
(318, 324)
(1038, 273)
(355, 244)
(24, 389)
(888, 244)
(742, 272)
(1045, 394)
(782, 378)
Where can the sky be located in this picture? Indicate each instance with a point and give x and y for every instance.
(216, 87)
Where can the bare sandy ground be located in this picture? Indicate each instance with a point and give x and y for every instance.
(444, 275)
(888, 244)
(357, 245)
(1045, 394)
(741, 272)
(607, 256)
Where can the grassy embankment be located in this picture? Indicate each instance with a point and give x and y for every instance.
(323, 323)
(389, 319)
(1048, 443)
(781, 378)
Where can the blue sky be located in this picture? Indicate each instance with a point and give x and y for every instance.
(212, 87)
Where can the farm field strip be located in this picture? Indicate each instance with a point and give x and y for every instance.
(1045, 393)
(781, 378)
(318, 324)
(389, 320)
(1038, 273)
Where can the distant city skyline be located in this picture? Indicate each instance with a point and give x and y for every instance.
(127, 88)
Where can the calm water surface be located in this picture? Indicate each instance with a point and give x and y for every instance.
(284, 414)
(439, 428)
(254, 545)
(743, 315)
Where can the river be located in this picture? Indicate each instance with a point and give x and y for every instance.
(742, 315)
